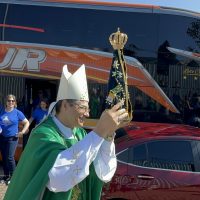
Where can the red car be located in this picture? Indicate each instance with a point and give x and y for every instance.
(156, 162)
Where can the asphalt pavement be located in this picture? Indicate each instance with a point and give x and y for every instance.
(3, 186)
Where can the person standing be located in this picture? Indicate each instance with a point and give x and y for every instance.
(37, 116)
(40, 113)
(9, 121)
(37, 99)
(60, 160)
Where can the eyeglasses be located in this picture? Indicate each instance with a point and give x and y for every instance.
(82, 108)
(10, 100)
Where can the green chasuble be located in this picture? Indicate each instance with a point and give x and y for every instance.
(31, 175)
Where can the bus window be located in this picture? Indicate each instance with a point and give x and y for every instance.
(2, 17)
(89, 28)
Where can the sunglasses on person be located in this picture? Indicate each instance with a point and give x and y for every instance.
(9, 100)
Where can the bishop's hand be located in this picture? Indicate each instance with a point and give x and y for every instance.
(111, 120)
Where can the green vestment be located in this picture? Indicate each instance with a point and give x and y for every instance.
(31, 175)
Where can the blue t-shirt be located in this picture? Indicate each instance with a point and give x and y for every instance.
(39, 114)
(9, 122)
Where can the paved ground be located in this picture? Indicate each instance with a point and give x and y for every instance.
(3, 187)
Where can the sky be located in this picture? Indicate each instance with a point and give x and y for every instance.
(193, 5)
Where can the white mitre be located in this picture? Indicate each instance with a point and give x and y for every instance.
(72, 86)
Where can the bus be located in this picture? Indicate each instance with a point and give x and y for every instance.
(37, 37)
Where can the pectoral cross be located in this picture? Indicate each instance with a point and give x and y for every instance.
(77, 170)
(75, 154)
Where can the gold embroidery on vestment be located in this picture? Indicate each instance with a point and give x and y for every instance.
(75, 192)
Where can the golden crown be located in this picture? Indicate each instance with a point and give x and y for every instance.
(118, 40)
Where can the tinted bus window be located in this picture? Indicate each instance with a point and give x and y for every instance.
(177, 37)
(83, 28)
(90, 28)
(170, 36)
(2, 17)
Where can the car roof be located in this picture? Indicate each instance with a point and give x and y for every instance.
(137, 130)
